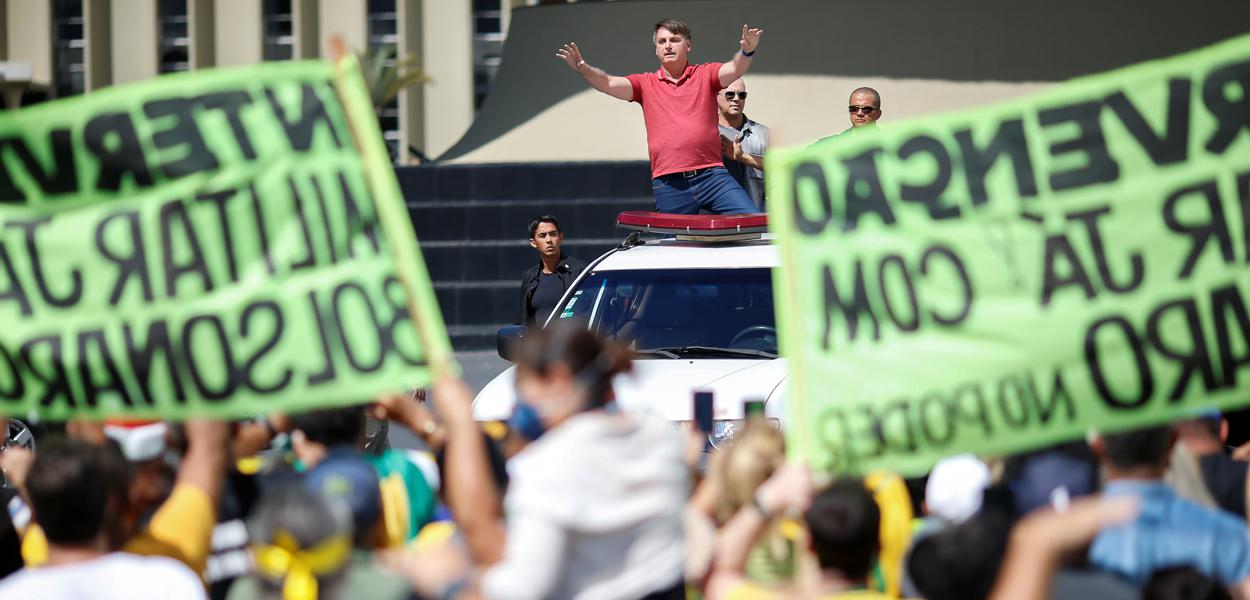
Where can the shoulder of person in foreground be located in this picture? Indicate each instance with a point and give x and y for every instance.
(588, 454)
(408, 497)
(1041, 539)
(182, 527)
(367, 578)
(116, 575)
(788, 489)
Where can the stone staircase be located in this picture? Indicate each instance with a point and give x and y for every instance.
(472, 222)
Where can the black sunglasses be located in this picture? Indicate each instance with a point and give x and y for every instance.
(864, 109)
(730, 95)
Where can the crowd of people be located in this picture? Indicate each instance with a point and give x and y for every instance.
(572, 498)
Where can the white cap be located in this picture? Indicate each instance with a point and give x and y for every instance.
(140, 442)
(955, 488)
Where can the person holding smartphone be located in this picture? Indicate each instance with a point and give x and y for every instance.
(742, 141)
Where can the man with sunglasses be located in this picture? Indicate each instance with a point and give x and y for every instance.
(679, 110)
(864, 109)
(743, 141)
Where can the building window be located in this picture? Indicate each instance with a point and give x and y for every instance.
(488, 39)
(174, 42)
(69, 41)
(279, 31)
(383, 33)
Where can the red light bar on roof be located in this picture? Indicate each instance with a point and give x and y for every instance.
(700, 225)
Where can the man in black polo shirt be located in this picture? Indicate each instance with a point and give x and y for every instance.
(544, 283)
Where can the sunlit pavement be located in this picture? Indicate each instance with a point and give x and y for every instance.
(478, 368)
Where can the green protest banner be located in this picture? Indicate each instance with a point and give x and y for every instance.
(222, 243)
(1011, 276)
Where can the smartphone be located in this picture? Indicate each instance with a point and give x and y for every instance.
(703, 411)
(753, 408)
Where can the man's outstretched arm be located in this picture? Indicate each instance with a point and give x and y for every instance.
(617, 87)
(736, 68)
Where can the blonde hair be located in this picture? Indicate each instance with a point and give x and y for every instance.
(758, 451)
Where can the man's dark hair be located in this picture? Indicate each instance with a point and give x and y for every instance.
(333, 426)
(961, 562)
(593, 359)
(1146, 447)
(543, 219)
(1183, 583)
(844, 522)
(673, 26)
(1206, 425)
(77, 490)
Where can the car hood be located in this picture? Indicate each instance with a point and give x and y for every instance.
(664, 388)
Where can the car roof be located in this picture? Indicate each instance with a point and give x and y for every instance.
(670, 253)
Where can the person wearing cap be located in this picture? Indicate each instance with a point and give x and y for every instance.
(320, 536)
(955, 488)
(408, 477)
(178, 526)
(78, 496)
(679, 110)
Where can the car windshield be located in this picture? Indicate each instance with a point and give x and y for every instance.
(672, 313)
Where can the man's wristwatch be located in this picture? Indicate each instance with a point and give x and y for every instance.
(746, 54)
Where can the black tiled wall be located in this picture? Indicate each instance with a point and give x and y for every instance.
(472, 222)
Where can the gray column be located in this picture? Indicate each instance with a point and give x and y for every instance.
(98, 55)
(201, 21)
(304, 15)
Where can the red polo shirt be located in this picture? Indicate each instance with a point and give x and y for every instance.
(680, 117)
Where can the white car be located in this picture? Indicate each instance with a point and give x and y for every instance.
(698, 310)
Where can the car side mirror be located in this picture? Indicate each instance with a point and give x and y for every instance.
(507, 338)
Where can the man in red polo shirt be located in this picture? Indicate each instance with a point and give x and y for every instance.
(680, 111)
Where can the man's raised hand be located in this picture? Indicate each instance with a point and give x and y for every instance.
(617, 87)
(572, 56)
(750, 39)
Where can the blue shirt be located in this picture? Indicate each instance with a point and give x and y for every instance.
(1171, 531)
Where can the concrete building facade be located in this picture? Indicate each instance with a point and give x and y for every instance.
(71, 47)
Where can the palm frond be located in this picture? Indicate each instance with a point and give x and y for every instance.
(387, 74)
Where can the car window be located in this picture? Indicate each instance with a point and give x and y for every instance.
(662, 308)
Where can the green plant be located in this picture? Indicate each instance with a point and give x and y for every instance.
(386, 75)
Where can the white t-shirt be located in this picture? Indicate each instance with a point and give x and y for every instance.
(594, 512)
(117, 576)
